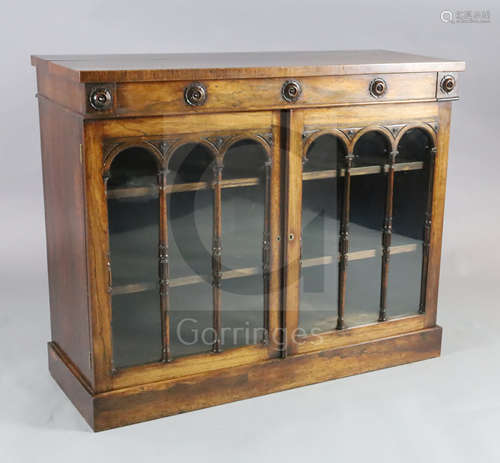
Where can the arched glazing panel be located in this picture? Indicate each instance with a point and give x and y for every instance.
(133, 214)
(321, 194)
(245, 158)
(371, 149)
(367, 207)
(245, 223)
(190, 164)
(324, 153)
(413, 146)
(411, 202)
(190, 219)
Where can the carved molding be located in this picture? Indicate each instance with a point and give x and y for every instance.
(350, 132)
(267, 137)
(217, 141)
(165, 146)
(395, 129)
(434, 126)
(110, 147)
(307, 133)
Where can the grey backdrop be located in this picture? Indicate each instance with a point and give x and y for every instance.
(447, 409)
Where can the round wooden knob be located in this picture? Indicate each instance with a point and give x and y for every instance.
(448, 84)
(291, 91)
(378, 87)
(100, 98)
(195, 94)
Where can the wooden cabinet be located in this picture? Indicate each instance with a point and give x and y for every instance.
(229, 225)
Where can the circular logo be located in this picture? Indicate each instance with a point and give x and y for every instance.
(446, 16)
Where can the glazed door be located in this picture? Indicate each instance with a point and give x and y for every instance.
(358, 247)
(193, 259)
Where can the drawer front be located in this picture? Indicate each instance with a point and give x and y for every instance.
(181, 97)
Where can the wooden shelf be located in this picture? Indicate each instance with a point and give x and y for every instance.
(357, 255)
(232, 183)
(136, 192)
(183, 281)
(133, 288)
(249, 271)
(366, 170)
(193, 279)
(133, 192)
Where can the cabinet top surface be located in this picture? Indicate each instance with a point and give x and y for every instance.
(189, 66)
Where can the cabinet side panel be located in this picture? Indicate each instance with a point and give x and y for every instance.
(70, 95)
(61, 135)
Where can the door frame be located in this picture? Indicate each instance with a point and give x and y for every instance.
(97, 134)
(352, 121)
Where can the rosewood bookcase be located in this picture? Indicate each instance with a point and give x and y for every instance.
(222, 226)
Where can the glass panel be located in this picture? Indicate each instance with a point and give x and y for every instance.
(243, 221)
(134, 259)
(134, 243)
(410, 202)
(136, 329)
(403, 289)
(133, 167)
(368, 193)
(242, 311)
(245, 159)
(189, 164)
(324, 153)
(363, 291)
(320, 232)
(371, 150)
(189, 249)
(413, 146)
(191, 319)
